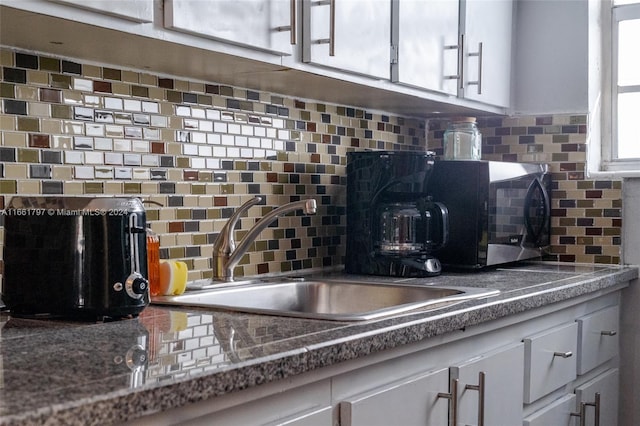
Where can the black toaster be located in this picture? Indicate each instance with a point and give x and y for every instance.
(80, 257)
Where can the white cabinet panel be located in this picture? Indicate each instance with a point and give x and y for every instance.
(259, 24)
(308, 405)
(458, 48)
(139, 10)
(503, 372)
(605, 388)
(557, 413)
(408, 402)
(487, 51)
(426, 35)
(550, 361)
(349, 35)
(598, 338)
(319, 417)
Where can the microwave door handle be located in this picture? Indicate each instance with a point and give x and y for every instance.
(535, 234)
(440, 210)
(536, 184)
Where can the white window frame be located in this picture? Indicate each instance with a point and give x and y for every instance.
(608, 165)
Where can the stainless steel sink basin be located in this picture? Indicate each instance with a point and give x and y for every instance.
(325, 299)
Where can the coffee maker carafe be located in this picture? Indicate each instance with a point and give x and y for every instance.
(393, 225)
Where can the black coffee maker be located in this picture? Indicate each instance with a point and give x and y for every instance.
(393, 224)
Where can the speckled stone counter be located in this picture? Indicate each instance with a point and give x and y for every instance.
(64, 372)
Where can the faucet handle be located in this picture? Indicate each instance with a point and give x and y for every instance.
(310, 206)
(225, 241)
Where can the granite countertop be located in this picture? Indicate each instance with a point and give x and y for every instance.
(65, 372)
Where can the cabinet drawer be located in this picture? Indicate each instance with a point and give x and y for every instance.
(409, 402)
(597, 338)
(558, 413)
(550, 361)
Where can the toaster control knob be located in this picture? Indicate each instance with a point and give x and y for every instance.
(136, 286)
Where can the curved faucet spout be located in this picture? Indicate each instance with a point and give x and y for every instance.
(227, 243)
(226, 255)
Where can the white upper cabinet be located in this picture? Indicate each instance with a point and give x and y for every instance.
(425, 44)
(268, 25)
(457, 48)
(486, 45)
(348, 35)
(139, 10)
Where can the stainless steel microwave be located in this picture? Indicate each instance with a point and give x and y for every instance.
(499, 212)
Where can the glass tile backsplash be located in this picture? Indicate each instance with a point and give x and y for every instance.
(202, 149)
(199, 149)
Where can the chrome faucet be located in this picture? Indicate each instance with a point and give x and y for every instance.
(225, 253)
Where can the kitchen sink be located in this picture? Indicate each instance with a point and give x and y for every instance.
(329, 299)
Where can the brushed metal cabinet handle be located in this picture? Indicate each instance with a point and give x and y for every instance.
(480, 387)
(478, 82)
(292, 16)
(567, 354)
(331, 41)
(583, 411)
(453, 398)
(292, 22)
(460, 47)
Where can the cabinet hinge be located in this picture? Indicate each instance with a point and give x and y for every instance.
(394, 54)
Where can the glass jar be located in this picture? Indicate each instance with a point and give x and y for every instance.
(462, 140)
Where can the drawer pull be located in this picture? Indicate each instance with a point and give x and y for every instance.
(331, 41)
(453, 397)
(567, 354)
(583, 411)
(608, 333)
(480, 387)
(292, 26)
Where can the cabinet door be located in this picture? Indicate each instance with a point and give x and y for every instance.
(319, 417)
(139, 10)
(408, 402)
(487, 51)
(558, 413)
(606, 386)
(349, 35)
(309, 405)
(503, 372)
(259, 24)
(425, 34)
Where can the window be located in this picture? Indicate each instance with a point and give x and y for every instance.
(621, 144)
(626, 74)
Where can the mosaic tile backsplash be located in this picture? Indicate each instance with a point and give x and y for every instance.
(198, 149)
(201, 149)
(586, 216)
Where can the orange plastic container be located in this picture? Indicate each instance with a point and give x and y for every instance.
(153, 262)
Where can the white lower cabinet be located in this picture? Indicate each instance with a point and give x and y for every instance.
(308, 405)
(412, 401)
(482, 389)
(583, 373)
(507, 372)
(490, 388)
(317, 417)
(550, 360)
(598, 338)
(558, 413)
(599, 396)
